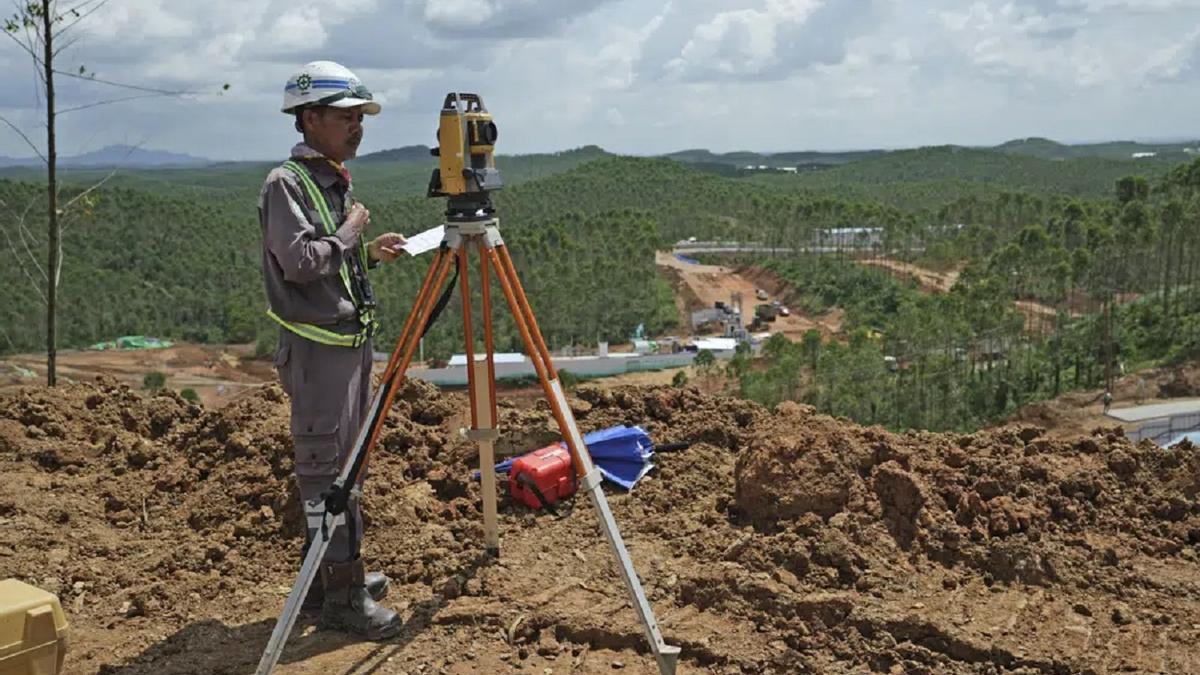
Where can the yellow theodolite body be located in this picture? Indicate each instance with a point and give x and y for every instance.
(466, 142)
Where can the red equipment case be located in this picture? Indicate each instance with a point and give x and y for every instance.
(549, 469)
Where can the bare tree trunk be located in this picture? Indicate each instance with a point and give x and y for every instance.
(1108, 356)
(52, 199)
(1167, 257)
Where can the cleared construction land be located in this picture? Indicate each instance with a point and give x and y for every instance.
(699, 286)
(782, 541)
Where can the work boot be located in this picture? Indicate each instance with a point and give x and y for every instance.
(376, 583)
(348, 606)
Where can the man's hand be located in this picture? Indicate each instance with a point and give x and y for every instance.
(386, 247)
(358, 218)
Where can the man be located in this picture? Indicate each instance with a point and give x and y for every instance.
(314, 264)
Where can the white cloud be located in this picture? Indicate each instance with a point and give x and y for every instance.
(492, 19)
(757, 39)
(640, 76)
(1046, 43)
(734, 43)
(139, 20)
(297, 28)
(458, 14)
(1173, 61)
(1131, 5)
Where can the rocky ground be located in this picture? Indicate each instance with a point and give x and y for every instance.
(781, 542)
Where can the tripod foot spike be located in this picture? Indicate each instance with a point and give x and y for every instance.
(667, 657)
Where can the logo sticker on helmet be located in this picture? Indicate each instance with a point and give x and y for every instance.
(304, 82)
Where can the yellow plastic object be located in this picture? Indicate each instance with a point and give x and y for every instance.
(33, 630)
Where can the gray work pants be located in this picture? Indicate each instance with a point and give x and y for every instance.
(330, 391)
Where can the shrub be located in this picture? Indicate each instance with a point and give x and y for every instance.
(154, 380)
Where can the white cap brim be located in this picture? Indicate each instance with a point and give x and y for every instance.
(369, 107)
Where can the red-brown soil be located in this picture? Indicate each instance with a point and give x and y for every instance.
(782, 541)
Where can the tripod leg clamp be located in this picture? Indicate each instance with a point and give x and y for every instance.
(591, 480)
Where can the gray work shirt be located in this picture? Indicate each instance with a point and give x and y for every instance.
(300, 263)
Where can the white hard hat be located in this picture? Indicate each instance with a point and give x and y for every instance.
(327, 83)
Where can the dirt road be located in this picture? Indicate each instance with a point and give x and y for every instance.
(1039, 318)
(929, 280)
(217, 373)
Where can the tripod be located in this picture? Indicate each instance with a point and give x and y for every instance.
(466, 229)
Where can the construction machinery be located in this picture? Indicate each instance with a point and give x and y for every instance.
(465, 177)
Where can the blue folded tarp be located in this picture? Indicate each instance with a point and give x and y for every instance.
(622, 454)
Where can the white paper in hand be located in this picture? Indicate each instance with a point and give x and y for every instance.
(426, 241)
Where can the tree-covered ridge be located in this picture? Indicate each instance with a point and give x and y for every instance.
(1120, 150)
(184, 263)
(929, 177)
(184, 268)
(1054, 294)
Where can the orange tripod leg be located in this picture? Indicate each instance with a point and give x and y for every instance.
(489, 343)
(464, 281)
(481, 378)
(333, 503)
(519, 291)
(427, 287)
(666, 655)
(405, 349)
(535, 355)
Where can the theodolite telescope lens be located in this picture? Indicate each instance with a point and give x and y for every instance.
(489, 132)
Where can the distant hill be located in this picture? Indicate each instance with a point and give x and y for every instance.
(1041, 148)
(115, 155)
(419, 154)
(742, 159)
(1044, 148)
(934, 175)
(376, 178)
(406, 154)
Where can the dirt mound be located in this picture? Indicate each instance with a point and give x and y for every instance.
(1008, 506)
(781, 541)
(1078, 412)
(955, 499)
(799, 464)
(1180, 383)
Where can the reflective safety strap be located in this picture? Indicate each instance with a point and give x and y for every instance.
(367, 317)
(318, 199)
(320, 335)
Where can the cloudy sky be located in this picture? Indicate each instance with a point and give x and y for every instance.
(635, 76)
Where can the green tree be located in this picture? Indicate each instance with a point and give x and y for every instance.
(810, 346)
(1132, 188)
